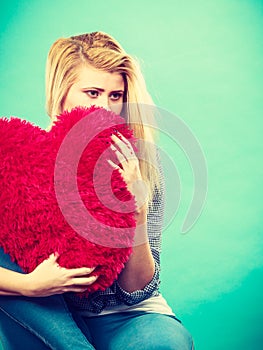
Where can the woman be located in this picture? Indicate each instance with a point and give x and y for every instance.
(93, 69)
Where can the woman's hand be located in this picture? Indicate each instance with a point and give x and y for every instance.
(130, 170)
(49, 278)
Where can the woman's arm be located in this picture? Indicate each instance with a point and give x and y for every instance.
(47, 279)
(154, 228)
(12, 283)
(140, 268)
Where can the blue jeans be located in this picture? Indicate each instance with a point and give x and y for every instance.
(46, 323)
(136, 330)
(40, 323)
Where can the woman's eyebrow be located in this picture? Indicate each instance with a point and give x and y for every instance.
(102, 90)
(94, 88)
(118, 91)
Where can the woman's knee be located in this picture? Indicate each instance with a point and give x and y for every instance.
(152, 331)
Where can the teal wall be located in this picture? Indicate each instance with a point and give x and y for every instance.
(203, 61)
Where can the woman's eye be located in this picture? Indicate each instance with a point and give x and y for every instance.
(115, 96)
(92, 93)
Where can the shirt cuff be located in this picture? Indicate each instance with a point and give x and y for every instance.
(142, 294)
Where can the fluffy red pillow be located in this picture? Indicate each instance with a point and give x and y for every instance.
(59, 194)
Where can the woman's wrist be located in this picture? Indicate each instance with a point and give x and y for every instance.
(24, 285)
(16, 283)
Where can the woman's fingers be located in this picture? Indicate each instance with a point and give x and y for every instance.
(84, 281)
(124, 146)
(115, 166)
(81, 271)
(53, 257)
(79, 284)
(119, 155)
(76, 290)
(49, 278)
(123, 139)
(128, 162)
(126, 158)
(73, 272)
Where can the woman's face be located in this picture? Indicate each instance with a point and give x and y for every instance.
(96, 87)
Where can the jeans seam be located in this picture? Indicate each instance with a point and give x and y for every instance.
(28, 328)
(72, 318)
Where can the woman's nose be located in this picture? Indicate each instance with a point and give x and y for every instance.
(103, 102)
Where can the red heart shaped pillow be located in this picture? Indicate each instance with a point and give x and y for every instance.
(59, 194)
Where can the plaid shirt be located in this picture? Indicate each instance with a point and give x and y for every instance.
(115, 295)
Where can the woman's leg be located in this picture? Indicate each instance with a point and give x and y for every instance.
(47, 318)
(138, 330)
(15, 337)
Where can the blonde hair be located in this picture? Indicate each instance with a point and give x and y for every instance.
(103, 52)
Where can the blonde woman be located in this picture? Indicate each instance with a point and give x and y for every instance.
(85, 70)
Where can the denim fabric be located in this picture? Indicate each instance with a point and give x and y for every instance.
(15, 337)
(47, 318)
(47, 323)
(135, 330)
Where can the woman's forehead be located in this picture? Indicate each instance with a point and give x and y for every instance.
(93, 77)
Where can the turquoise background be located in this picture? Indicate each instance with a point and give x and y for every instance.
(203, 62)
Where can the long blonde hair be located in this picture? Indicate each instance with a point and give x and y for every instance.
(103, 52)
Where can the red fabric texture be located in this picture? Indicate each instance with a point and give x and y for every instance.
(37, 168)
